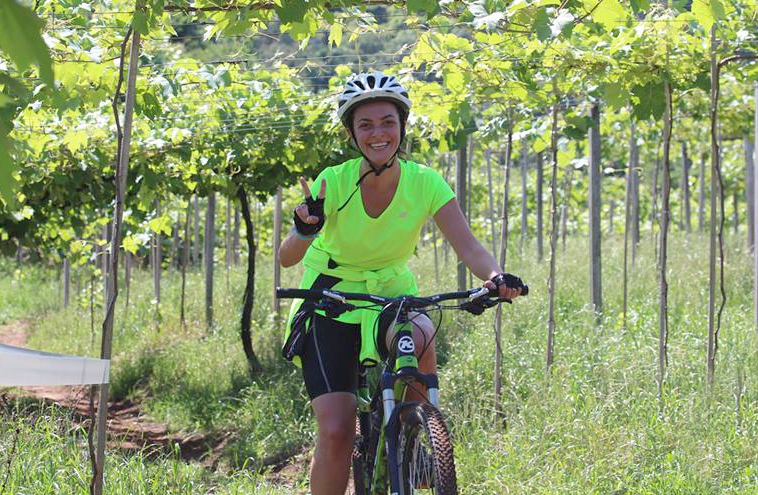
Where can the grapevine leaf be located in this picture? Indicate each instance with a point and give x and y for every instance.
(649, 102)
(292, 11)
(707, 12)
(335, 34)
(20, 38)
(428, 7)
(640, 5)
(541, 25)
(7, 167)
(608, 13)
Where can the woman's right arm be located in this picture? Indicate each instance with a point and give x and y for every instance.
(293, 249)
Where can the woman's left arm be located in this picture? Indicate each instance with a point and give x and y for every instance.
(454, 227)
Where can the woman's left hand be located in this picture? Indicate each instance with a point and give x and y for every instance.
(509, 286)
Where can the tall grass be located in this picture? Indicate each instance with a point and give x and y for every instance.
(593, 424)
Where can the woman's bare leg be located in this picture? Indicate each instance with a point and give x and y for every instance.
(330, 469)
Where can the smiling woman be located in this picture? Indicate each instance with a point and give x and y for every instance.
(357, 228)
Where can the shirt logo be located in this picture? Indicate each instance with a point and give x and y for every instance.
(403, 214)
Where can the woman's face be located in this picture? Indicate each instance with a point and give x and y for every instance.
(377, 130)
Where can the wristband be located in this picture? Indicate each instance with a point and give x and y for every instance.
(305, 237)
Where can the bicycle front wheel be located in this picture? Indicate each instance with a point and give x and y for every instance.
(425, 454)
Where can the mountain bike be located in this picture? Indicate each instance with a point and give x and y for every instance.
(403, 445)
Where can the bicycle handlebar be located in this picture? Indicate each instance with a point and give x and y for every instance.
(475, 297)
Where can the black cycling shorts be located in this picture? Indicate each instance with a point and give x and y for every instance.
(331, 353)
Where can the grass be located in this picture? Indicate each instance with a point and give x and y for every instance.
(593, 425)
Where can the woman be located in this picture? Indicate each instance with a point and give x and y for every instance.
(357, 236)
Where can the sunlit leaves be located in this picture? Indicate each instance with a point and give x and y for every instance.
(20, 38)
(608, 13)
(707, 12)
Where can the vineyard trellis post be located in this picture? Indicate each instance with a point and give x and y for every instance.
(209, 245)
(538, 194)
(488, 158)
(66, 281)
(277, 242)
(596, 289)
(524, 203)
(634, 159)
(122, 169)
(196, 228)
(684, 219)
(665, 216)
(755, 211)
(749, 190)
(553, 236)
(502, 259)
(701, 194)
(462, 195)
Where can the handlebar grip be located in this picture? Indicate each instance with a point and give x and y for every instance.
(524, 291)
(294, 293)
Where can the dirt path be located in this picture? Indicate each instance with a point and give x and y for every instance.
(128, 429)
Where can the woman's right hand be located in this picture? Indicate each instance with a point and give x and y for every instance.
(309, 215)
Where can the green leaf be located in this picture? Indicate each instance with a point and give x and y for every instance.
(640, 5)
(608, 13)
(7, 167)
(161, 224)
(292, 11)
(615, 95)
(130, 244)
(428, 7)
(335, 34)
(707, 12)
(20, 38)
(650, 100)
(541, 25)
(139, 22)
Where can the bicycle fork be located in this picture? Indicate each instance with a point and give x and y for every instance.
(393, 385)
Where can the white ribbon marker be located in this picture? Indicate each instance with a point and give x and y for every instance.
(20, 366)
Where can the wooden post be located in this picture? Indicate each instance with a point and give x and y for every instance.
(553, 236)
(503, 252)
(462, 195)
(634, 183)
(196, 228)
(112, 286)
(277, 242)
(66, 281)
(611, 207)
(701, 195)
(157, 259)
(755, 210)
(749, 190)
(540, 179)
(208, 253)
(711, 348)
(228, 258)
(488, 158)
(236, 241)
(685, 187)
(663, 249)
(596, 289)
(524, 203)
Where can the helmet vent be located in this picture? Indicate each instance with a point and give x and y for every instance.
(370, 80)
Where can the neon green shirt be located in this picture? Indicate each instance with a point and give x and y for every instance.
(370, 254)
(353, 238)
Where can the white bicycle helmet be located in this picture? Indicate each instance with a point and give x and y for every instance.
(372, 86)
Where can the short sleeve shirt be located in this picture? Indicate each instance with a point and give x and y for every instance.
(355, 239)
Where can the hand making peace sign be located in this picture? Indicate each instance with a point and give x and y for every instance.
(309, 215)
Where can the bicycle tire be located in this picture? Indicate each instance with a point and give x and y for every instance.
(424, 428)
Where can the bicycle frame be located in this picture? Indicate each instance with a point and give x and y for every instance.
(393, 385)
